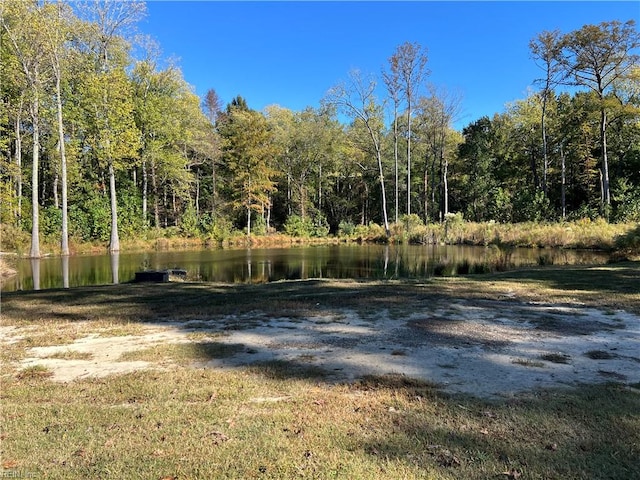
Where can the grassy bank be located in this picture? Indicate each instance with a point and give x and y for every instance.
(583, 234)
(285, 421)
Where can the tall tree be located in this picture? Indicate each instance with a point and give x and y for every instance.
(411, 61)
(546, 49)
(212, 106)
(22, 23)
(56, 26)
(595, 56)
(109, 23)
(394, 89)
(248, 150)
(357, 100)
(436, 114)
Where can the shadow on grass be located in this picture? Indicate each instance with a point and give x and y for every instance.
(590, 432)
(222, 308)
(621, 278)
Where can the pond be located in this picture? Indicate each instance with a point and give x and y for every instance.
(259, 265)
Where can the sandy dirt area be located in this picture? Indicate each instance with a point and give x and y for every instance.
(483, 348)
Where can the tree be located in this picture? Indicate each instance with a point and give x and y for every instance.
(394, 88)
(477, 181)
(596, 56)
(436, 113)
(23, 26)
(357, 100)
(249, 153)
(114, 127)
(411, 61)
(212, 106)
(546, 49)
(57, 25)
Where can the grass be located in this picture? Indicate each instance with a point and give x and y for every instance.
(286, 420)
(183, 353)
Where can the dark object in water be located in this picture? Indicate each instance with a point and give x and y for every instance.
(160, 276)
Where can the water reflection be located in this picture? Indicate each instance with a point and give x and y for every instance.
(65, 271)
(35, 272)
(115, 265)
(266, 265)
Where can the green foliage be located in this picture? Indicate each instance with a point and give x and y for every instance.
(500, 205)
(627, 201)
(346, 228)
(296, 226)
(532, 207)
(410, 222)
(216, 229)
(189, 224)
(259, 225)
(91, 220)
(50, 221)
(629, 242)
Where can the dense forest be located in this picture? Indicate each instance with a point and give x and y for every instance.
(102, 138)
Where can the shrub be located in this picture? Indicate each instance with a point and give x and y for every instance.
(189, 224)
(50, 221)
(296, 226)
(346, 228)
(259, 226)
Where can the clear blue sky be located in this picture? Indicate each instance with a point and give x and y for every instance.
(290, 53)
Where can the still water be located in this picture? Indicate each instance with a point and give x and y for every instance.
(271, 264)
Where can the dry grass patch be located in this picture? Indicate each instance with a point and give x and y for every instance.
(183, 353)
(71, 355)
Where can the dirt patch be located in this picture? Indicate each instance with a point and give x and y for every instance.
(483, 348)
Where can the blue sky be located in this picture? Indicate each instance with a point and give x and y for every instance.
(290, 53)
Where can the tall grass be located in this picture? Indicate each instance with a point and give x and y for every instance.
(581, 234)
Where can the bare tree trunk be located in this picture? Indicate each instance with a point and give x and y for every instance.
(289, 194)
(64, 241)
(605, 162)
(395, 161)
(56, 197)
(425, 182)
(18, 158)
(35, 212)
(545, 153)
(145, 188)
(564, 185)
(445, 187)
(320, 187)
(409, 157)
(213, 188)
(268, 222)
(114, 243)
(198, 194)
(156, 196)
(384, 194)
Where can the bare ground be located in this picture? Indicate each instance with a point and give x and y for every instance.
(479, 347)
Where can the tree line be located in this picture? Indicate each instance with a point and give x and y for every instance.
(101, 138)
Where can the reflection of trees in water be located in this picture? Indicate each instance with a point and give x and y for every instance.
(266, 265)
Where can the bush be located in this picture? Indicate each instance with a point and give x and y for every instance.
(296, 226)
(50, 221)
(627, 202)
(346, 229)
(259, 226)
(410, 223)
(629, 243)
(189, 224)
